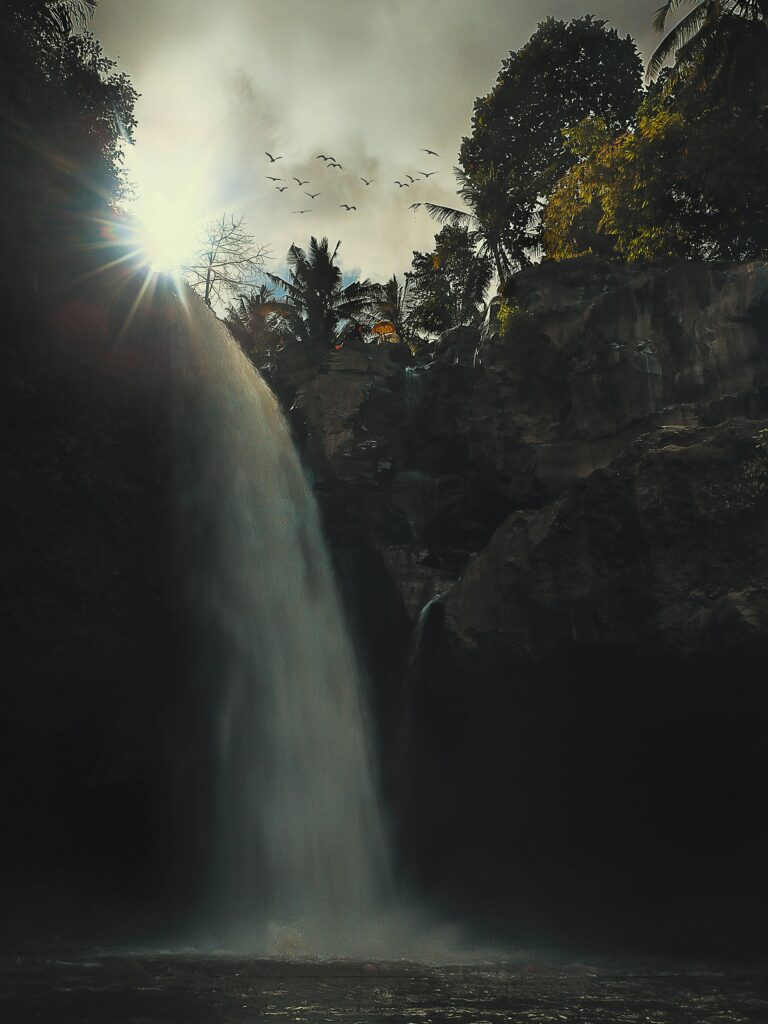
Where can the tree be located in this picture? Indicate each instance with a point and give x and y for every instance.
(566, 72)
(318, 308)
(676, 188)
(227, 261)
(497, 219)
(722, 39)
(449, 283)
(251, 321)
(391, 311)
(67, 116)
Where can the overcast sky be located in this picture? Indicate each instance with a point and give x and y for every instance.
(370, 82)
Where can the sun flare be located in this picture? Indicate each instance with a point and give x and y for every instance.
(166, 233)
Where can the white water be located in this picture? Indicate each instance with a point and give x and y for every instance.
(300, 854)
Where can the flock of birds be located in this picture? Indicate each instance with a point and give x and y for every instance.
(332, 163)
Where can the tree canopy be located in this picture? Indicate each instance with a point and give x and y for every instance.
(687, 183)
(449, 283)
(567, 71)
(318, 308)
(67, 116)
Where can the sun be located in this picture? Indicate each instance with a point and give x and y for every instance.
(166, 233)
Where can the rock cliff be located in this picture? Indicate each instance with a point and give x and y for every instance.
(573, 507)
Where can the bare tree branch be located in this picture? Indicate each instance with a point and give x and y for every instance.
(227, 262)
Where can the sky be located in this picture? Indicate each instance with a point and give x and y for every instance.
(370, 82)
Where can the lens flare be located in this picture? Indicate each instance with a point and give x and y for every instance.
(165, 234)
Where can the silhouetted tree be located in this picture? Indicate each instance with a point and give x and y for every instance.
(449, 283)
(565, 72)
(318, 307)
(67, 115)
(723, 41)
(494, 210)
(392, 306)
(251, 321)
(227, 260)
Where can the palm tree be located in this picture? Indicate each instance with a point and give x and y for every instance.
(391, 306)
(251, 320)
(318, 308)
(54, 18)
(500, 223)
(711, 33)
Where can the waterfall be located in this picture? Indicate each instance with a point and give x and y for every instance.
(299, 846)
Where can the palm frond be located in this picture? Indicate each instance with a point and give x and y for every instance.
(447, 215)
(662, 14)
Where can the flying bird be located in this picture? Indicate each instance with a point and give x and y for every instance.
(366, 182)
(322, 156)
(414, 206)
(300, 182)
(336, 165)
(272, 177)
(402, 184)
(273, 158)
(427, 174)
(430, 151)
(410, 178)
(344, 206)
(302, 211)
(281, 188)
(313, 195)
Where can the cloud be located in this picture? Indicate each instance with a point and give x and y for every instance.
(369, 82)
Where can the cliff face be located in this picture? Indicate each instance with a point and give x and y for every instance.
(586, 495)
(620, 411)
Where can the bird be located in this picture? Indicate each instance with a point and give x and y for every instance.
(427, 174)
(410, 178)
(402, 184)
(300, 182)
(313, 195)
(336, 165)
(344, 206)
(430, 151)
(302, 211)
(272, 177)
(414, 206)
(273, 158)
(281, 188)
(322, 156)
(366, 182)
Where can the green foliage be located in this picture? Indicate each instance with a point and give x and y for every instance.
(449, 283)
(504, 313)
(318, 309)
(683, 185)
(566, 72)
(67, 115)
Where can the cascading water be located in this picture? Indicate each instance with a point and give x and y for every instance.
(299, 844)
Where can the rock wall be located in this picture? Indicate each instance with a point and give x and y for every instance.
(574, 510)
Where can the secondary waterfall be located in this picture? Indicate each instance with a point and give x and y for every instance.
(299, 845)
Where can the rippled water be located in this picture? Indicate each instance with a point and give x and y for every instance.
(193, 990)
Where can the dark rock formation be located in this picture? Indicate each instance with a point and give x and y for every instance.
(587, 492)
